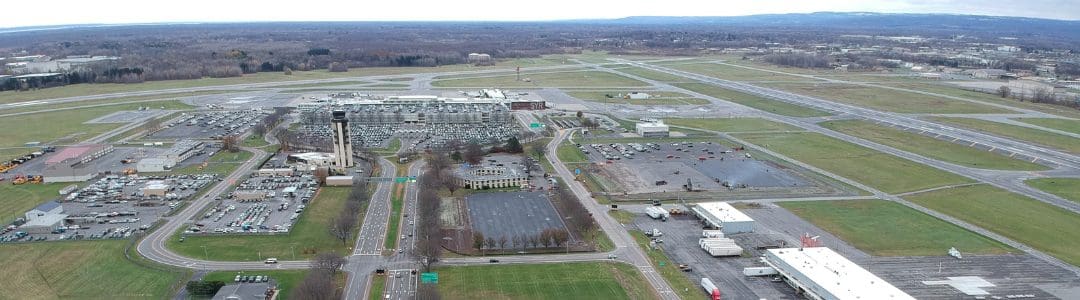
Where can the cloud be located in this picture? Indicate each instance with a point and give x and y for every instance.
(142, 11)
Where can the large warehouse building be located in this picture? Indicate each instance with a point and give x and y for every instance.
(724, 216)
(72, 164)
(822, 274)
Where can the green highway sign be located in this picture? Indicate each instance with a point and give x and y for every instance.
(536, 125)
(401, 179)
(431, 277)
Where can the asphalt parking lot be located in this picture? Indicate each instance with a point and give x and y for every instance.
(109, 163)
(666, 166)
(115, 207)
(261, 204)
(512, 214)
(680, 243)
(207, 125)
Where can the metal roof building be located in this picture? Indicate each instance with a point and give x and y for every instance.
(722, 215)
(821, 273)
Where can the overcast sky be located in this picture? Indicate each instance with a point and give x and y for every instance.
(59, 12)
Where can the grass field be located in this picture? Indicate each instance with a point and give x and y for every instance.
(222, 163)
(931, 147)
(658, 98)
(33, 127)
(731, 124)
(884, 228)
(560, 79)
(544, 281)
(765, 104)
(887, 100)
(286, 279)
(378, 285)
(1067, 125)
(80, 270)
(682, 285)
(255, 141)
(1045, 138)
(309, 237)
(112, 101)
(955, 91)
(738, 74)
(569, 154)
(882, 171)
(1068, 188)
(1042, 226)
(322, 84)
(654, 75)
(624, 217)
(17, 199)
(397, 203)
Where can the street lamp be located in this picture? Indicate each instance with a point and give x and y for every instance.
(206, 255)
(292, 248)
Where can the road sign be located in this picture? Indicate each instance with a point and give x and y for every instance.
(577, 171)
(412, 178)
(430, 277)
(536, 125)
(401, 179)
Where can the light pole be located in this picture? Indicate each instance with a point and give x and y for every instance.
(292, 248)
(206, 255)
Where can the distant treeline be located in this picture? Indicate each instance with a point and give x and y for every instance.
(189, 51)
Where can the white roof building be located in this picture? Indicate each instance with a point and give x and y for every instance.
(724, 216)
(823, 274)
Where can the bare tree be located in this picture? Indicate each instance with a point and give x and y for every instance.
(450, 182)
(229, 143)
(474, 153)
(517, 241)
(320, 175)
(1004, 91)
(316, 286)
(328, 262)
(560, 237)
(478, 241)
(341, 226)
(537, 149)
(152, 125)
(502, 241)
(427, 291)
(259, 129)
(545, 237)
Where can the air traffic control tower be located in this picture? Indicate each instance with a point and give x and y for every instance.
(343, 151)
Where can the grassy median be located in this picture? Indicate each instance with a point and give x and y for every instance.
(879, 170)
(1042, 226)
(931, 147)
(884, 228)
(1037, 136)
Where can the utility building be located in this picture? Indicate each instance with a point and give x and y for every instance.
(820, 273)
(343, 151)
(652, 129)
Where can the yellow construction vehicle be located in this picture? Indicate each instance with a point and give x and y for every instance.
(130, 171)
(36, 179)
(19, 179)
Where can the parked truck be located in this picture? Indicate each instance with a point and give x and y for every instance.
(657, 212)
(710, 288)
